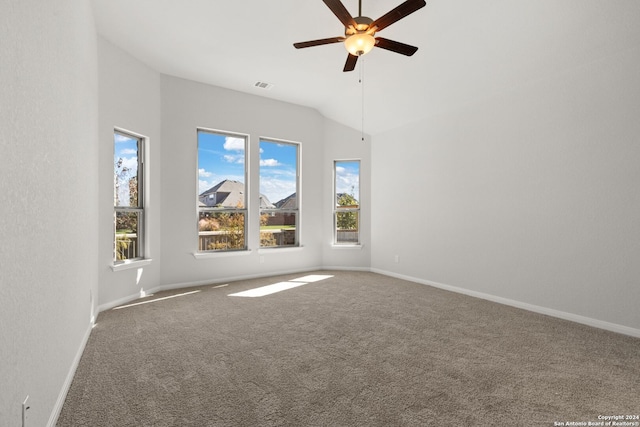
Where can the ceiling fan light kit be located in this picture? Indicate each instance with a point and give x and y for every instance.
(359, 44)
(360, 31)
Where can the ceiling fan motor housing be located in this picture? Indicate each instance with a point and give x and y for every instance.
(362, 25)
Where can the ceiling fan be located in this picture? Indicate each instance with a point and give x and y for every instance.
(359, 32)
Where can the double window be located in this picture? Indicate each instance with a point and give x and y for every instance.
(346, 212)
(128, 180)
(222, 191)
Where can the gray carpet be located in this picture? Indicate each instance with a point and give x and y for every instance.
(358, 349)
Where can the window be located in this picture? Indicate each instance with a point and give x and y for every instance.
(222, 191)
(346, 215)
(279, 193)
(128, 180)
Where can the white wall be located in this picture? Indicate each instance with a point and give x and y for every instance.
(48, 133)
(129, 100)
(531, 195)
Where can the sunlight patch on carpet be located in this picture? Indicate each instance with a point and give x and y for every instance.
(268, 290)
(281, 286)
(312, 278)
(156, 300)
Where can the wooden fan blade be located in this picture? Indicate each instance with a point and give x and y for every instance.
(319, 42)
(406, 8)
(396, 47)
(350, 65)
(341, 12)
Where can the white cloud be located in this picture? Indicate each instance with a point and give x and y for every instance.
(340, 170)
(204, 174)
(279, 172)
(123, 138)
(234, 158)
(277, 189)
(348, 183)
(233, 144)
(269, 162)
(128, 151)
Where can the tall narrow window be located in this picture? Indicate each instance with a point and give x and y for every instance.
(222, 191)
(347, 202)
(279, 193)
(128, 179)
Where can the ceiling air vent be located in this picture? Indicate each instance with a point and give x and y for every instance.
(263, 85)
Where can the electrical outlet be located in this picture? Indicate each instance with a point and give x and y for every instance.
(397, 259)
(25, 411)
(261, 259)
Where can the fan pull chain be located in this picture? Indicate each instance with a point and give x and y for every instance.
(361, 81)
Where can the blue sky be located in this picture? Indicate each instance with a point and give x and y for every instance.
(348, 178)
(277, 170)
(222, 157)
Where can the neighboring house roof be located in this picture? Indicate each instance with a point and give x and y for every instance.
(226, 186)
(228, 194)
(265, 203)
(290, 202)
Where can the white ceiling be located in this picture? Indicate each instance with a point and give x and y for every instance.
(468, 49)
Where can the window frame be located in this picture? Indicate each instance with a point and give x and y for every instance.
(140, 210)
(298, 194)
(337, 209)
(244, 211)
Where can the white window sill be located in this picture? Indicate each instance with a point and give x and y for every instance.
(127, 265)
(346, 246)
(278, 249)
(207, 255)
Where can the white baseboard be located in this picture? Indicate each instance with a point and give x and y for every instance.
(343, 268)
(53, 418)
(601, 324)
(124, 300)
(214, 281)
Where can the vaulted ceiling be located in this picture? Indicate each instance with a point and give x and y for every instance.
(468, 49)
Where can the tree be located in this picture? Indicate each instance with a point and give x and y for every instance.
(231, 226)
(125, 222)
(347, 220)
(266, 237)
(122, 247)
